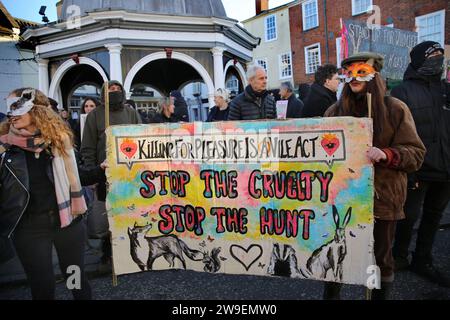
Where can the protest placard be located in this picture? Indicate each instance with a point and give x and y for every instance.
(277, 198)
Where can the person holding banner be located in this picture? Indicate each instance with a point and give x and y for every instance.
(220, 111)
(255, 102)
(41, 203)
(397, 150)
(93, 151)
(428, 98)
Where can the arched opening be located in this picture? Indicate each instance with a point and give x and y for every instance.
(196, 95)
(233, 81)
(233, 84)
(161, 76)
(191, 70)
(146, 98)
(81, 92)
(235, 78)
(62, 83)
(78, 82)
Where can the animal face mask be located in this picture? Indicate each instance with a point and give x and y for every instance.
(20, 105)
(360, 71)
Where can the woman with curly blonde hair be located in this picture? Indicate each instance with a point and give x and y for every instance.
(41, 203)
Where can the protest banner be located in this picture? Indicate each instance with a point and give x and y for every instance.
(393, 44)
(287, 198)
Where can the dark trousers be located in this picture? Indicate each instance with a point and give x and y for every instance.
(430, 198)
(383, 234)
(34, 239)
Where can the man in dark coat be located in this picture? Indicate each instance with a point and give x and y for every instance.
(255, 102)
(322, 93)
(428, 98)
(295, 106)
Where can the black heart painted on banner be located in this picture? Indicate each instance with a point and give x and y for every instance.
(234, 254)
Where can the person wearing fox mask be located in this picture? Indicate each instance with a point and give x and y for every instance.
(397, 149)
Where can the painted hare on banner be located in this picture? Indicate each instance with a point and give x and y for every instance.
(332, 254)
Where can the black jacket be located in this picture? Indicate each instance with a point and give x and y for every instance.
(215, 114)
(319, 99)
(295, 107)
(247, 106)
(161, 118)
(14, 187)
(428, 99)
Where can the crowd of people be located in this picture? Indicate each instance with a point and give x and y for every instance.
(51, 174)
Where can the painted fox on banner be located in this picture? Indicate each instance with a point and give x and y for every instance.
(291, 198)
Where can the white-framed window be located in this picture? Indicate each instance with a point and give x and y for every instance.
(310, 14)
(312, 58)
(431, 26)
(338, 52)
(285, 65)
(361, 6)
(262, 62)
(270, 26)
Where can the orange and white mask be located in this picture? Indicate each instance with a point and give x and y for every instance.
(361, 71)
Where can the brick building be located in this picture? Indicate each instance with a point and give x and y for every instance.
(315, 26)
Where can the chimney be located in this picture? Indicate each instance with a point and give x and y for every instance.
(59, 5)
(261, 5)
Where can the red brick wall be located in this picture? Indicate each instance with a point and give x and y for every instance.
(402, 13)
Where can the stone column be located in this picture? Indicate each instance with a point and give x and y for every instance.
(219, 77)
(43, 75)
(115, 62)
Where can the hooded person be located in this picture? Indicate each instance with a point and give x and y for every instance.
(428, 98)
(93, 146)
(181, 110)
(93, 150)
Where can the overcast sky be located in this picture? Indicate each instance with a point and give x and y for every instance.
(29, 9)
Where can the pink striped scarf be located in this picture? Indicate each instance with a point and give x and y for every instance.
(23, 139)
(69, 196)
(67, 185)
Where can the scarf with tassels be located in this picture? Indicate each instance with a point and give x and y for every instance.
(70, 199)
